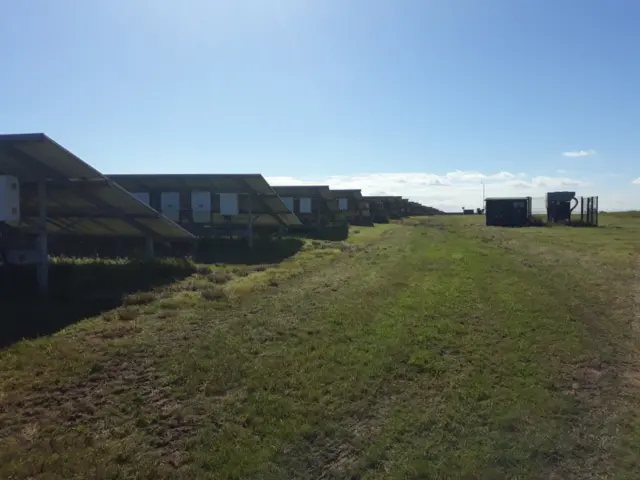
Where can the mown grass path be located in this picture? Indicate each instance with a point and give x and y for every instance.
(433, 349)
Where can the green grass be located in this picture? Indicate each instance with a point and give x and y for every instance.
(431, 348)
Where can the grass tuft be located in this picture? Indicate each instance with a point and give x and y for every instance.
(213, 293)
(140, 298)
(219, 278)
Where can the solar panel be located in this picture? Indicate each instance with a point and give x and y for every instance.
(221, 183)
(79, 199)
(316, 191)
(354, 193)
(266, 207)
(52, 160)
(382, 198)
(279, 209)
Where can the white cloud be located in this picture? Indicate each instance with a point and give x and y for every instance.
(636, 181)
(580, 153)
(281, 181)
(448, 192)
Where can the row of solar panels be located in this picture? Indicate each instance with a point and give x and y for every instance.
(80, 200)
(203, 198)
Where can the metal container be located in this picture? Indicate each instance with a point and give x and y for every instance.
(508, 212)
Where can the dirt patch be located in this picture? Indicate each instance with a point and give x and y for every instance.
(120, 397)
(636, 296)
(331, 459)
(633, 378)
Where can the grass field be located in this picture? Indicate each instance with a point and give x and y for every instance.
(435, 348)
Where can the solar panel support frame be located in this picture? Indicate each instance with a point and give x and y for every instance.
(149, 248)
(250, 226)
(324, 205)
(239, 184)
(87, 195)
(269, 209)
(42, 242)
(46, 179)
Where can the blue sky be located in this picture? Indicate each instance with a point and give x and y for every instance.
(423, 98)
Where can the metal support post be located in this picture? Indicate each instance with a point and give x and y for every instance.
(250, 226)
(42, 241)
(149, 252)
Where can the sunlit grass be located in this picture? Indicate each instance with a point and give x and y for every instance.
(434, 348)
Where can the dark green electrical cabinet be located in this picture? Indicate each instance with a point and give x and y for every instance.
(508, 212)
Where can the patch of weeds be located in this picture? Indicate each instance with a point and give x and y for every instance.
(165, 314)
(120, 331)
(126, 314)
(203, 269)
(219, 278)
(139, 298)
(341, 246)
(426, 361)
(110, 316)
(213, 293)
(193, 285)
(172, 303)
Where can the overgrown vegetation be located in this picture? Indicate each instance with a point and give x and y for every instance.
(431, 348)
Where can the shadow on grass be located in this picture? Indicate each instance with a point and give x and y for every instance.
(334, 233)
(207, 251)
(78, 289)
(237, 252)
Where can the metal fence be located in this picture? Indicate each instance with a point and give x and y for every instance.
(589, 210)
(586, 211)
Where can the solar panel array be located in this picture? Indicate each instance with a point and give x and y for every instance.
(82, 201)
(79, 199)
(319, 192)
(265, 209)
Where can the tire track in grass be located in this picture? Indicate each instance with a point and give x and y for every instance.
(304, 389)
(530, 399)
(597, 270)
(131, 405)
(482, 401)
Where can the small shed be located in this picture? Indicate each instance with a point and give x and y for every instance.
(508, 211)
